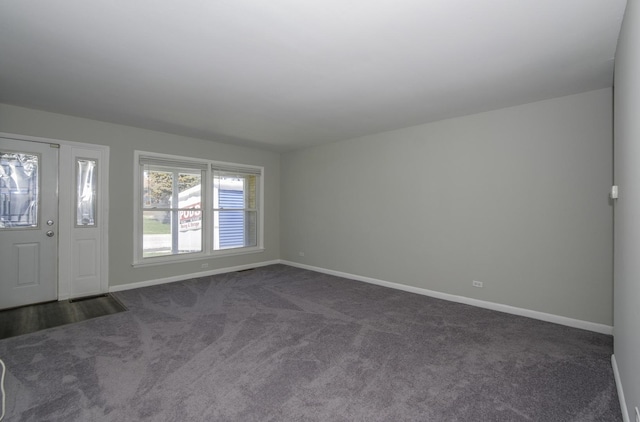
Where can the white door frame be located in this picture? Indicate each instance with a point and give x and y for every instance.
(70, 284)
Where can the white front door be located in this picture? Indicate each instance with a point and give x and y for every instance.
(28, 222)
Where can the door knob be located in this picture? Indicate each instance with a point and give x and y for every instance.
(50, 233)
(49, 222)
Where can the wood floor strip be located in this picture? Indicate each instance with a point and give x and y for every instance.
(32, 318)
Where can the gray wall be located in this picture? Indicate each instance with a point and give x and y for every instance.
(123, 140)
(515, 198)
(627, 208)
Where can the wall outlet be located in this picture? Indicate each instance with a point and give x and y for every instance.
(301, 253)
(475, 283)
(205, 265)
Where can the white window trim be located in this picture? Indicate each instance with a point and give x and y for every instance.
(207, 214)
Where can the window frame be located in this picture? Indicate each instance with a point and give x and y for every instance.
(219, 211)
(207, 210)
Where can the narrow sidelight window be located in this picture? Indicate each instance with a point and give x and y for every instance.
(86, 189)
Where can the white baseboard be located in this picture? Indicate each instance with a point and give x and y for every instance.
(576, 323)
(189, 276)
(623, 402)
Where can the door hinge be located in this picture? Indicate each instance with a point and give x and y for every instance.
(614, 192)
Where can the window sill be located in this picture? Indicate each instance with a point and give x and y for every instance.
(173, 259)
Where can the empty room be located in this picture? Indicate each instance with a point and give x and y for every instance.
(320, 211)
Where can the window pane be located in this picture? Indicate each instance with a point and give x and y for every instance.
(243, 188)
(251, 228)
(189, 184)
(158, 188)
(252, 191)
(229, 190)
(156, 238)
(230, 229)
(160, 185)
(160, 238)
(86, 187)
(190, 219)
(190, 196)
(18, 190)
(235, 229)
(190, 235)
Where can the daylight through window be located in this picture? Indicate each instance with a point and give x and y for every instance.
(190, 209)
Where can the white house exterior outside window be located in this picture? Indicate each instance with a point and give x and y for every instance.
(188, 209)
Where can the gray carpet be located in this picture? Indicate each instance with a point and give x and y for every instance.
(284, 344)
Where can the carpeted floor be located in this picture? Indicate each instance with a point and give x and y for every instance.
(284, 344)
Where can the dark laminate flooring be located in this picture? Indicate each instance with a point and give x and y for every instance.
(32, 318)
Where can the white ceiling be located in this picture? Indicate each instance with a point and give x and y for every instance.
(286, 74)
